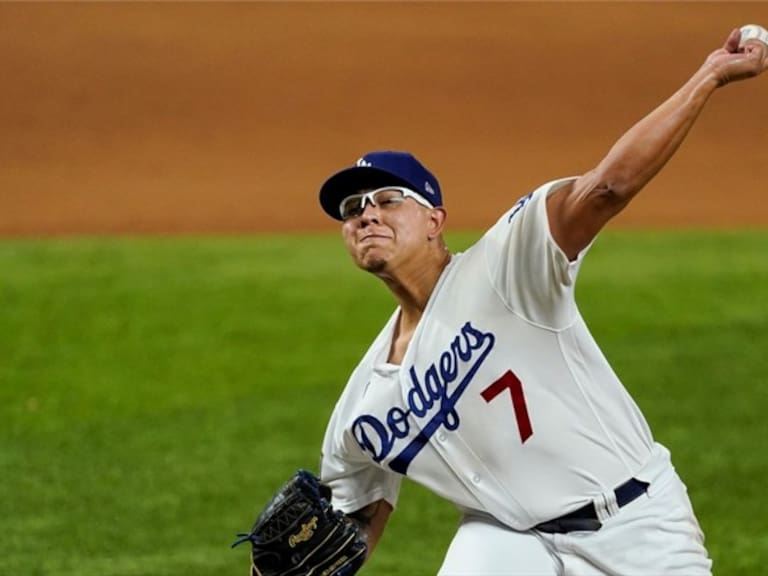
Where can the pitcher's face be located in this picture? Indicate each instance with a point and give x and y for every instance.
(383, 228)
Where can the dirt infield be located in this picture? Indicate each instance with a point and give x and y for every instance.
(226, 117)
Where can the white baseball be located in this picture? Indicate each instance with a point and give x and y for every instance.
(750, 31)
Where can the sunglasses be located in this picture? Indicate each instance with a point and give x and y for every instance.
(384, 198)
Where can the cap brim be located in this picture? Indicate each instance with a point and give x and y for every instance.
(351, 181)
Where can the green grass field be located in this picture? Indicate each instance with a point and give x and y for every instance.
(155, 392)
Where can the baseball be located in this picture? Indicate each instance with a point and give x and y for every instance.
(750, 31)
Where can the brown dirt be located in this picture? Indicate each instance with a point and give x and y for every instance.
(226, 117)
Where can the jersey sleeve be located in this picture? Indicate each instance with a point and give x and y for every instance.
(527, 268)
(355, 481)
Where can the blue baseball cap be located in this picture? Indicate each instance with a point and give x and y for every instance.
(376, 170)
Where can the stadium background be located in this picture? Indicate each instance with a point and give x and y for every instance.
(167, 279)
(225, 117)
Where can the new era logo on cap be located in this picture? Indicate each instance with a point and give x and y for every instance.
(377, 169)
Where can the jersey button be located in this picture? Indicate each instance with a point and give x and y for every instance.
(441, 437)
(476, 478)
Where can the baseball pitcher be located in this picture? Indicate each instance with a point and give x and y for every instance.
(486, 385)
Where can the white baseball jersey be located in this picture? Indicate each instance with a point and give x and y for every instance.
(503, 402)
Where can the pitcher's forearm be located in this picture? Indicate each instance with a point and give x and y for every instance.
(646, 147)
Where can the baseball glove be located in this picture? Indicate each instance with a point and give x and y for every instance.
(299, 534)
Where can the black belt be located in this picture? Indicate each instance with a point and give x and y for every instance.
(585, 518)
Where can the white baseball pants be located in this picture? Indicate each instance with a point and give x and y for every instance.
(655, 534)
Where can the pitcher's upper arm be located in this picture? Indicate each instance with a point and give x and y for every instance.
(578, 211)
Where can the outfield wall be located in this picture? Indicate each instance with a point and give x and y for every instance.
(226, 117)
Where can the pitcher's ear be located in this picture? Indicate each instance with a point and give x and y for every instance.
(437, 218)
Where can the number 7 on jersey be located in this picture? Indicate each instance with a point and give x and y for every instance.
(512, 382)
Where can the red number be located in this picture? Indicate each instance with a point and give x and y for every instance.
(510, 381)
